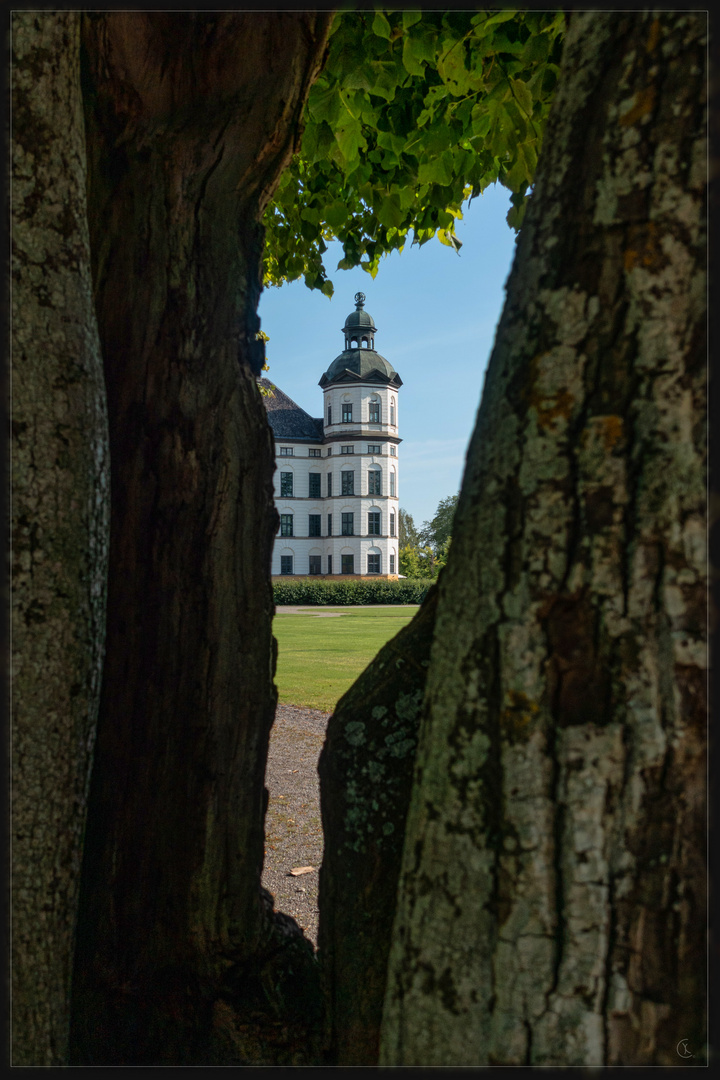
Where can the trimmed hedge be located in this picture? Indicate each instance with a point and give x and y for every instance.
(410, 591)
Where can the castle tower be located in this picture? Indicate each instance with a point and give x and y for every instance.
(337, 478)
(360, 427)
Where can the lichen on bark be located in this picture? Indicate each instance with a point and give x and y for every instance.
(366, 770)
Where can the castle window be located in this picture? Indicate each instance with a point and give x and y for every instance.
(373, 448)
(329, 453)
(329, 414)
(373, 564)
(392, 483)
(392, 414)
(286, 525)
(374, 417)
(392, 451)
(286, 564)
(347, 564)
(329, 564)
(347, 414)
(314, 489)
(314, 526)
(329, 484)
(374, 523)
(348, 482)
(286, 451)
(374, 482)
(392, 524)
(315, 567)
(286, 484)
(348, 528)
(314, 453)
(329, 532)
(392, 564)
(347, 449)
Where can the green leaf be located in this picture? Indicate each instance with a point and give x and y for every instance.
(449, 239)
(435, 171)
(388, 141)
(390, 213)
(350, 138)
(451, 68)
(325, 104)
(381, 27)
(423, 44)
(371, 268)
(336, 214)
(503, 44)
(358, 79)
(537, 47)
(515, 216)
(409, 18)
(410, 61)
(481, 120)
(483, 23)
(522, 95)
(389, 75)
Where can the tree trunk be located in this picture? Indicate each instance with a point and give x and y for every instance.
(191, 118)
(60, 496)
(366, 770)
(551, 899)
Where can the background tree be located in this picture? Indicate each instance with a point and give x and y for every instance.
(407, 533)
(438, 531)
(416, 561)
(443, 554)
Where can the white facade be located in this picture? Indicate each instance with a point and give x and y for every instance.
(337, 493)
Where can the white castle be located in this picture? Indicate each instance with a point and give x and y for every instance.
(336, 482)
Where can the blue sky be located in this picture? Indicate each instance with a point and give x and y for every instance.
(436, 314)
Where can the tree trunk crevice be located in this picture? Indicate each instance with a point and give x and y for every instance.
(188, 698)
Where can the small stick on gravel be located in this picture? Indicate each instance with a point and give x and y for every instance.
(293, 829)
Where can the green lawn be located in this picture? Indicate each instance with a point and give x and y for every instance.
(320, 657)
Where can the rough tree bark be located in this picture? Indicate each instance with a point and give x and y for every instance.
(366, 772)
(60, 504)
(551, 900)
(190, 120)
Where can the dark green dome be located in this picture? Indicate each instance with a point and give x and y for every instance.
(360, 362)
(359, 319)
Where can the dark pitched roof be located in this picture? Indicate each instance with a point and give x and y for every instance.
(288, 420)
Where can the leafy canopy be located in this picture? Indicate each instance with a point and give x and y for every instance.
(437, 532)
(423, 554)
(407, 533)
(413, 113)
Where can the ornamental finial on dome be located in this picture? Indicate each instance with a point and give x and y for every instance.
(360, 300)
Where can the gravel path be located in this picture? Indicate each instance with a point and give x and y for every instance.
(293, 830)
